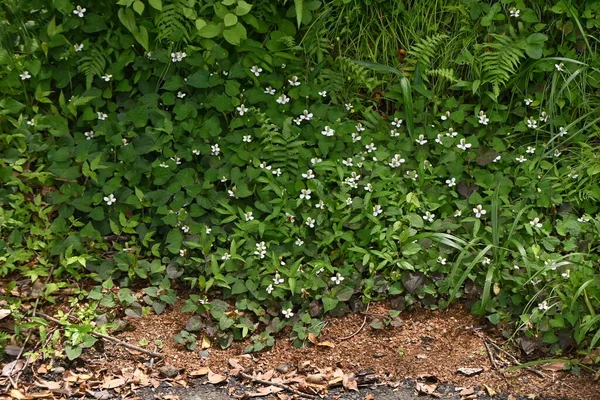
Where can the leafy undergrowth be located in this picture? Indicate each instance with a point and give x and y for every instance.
(213, 161)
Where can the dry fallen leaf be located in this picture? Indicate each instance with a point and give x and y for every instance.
(16, 394)
(350, 383)
(235, 364)
(43, 369)
(205, 342)
(215, 378)
(265, 391)
(470, 371)
(4, 313)
(50, 385)
(491, 392)
(425, 388)
(199, 372)
(113, 383)
(13, 367)
(467, 392)
(369, 397)
(554, 366)
(312, 338)
(316, 379)
(326, 343)
(337, 381)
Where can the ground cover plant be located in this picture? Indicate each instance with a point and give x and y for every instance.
(150, 149)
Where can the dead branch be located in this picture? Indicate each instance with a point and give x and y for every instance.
(279, 385)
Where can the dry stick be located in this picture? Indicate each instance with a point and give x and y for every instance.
(359, 329)
(109, 338)
(493, 361)
(514, 360)
(279, 385)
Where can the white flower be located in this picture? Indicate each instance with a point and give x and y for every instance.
(208, 230)
(323, 93)
(89, 135)
(348, 106)
(377, 210)
(163, 165)
(544, 116)
(557, 153)
(196, 152)
(349, 201)
(516, 267)
(178, 56)
(315, 160)
(107, 77)
(445, 116)
(110, 199)
(438, 138)
(149, 54)
(270, 90)
(248, 215)
(215, 149)
(309, 174)
(277, 172)
(231, 193)
(310, 222)
(583, 219)
(441, 260)
(256, 70)
(78, 47)
(101, 116)
(298, 121)
(535, 222)
(421, 140)
(359, 127)
(320, 205)
(543, 306)
(356, 137)
(498, 158)
(294, 81)
(457, 213)
(560, 67)
(226, 256)
(369, 187)
(306, 115)
(31, 122)
(278, 279)
(566, 274)
(283, 99)
(287, 313)
(521, 159)
(337, 279)
(463, 145)
(451, 182)
(429, 217)
(515, 12)
(397, 122)
(299, 242)
(479, 211)
(530, 150)
(261, 250)
(247, 138)
(185, 228)
(327, 131)
(528, 101)
(370, 147)
(176, 159)
(182, 252)
(486, 261)
(413, 175)
(79, 11)
(483, 119)
(348, 162)
(181, 95)
(394, 133)
(270, 288)
(305, 194)
(242, 109)
(225, 73)
(264, 165)
(25, 75)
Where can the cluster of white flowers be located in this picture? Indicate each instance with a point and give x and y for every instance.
(178, 56)
(261, 250)
(215, 149)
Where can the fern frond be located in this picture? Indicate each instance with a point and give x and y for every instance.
(426, 49)
(500, 60)
(445, 73)
(172, 24)
(92, 65)
(280, 148)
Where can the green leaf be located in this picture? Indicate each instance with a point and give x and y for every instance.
(72, 352)
(127, 18)
(210, 30)
(329, 303)
(230, 19)
(199, 79)
(235, 34)
(156, 4)
(299, 7)
(535, 45)
(242, 8)
(138, 7)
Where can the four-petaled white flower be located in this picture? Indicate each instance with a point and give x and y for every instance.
(176, 159)
(438, 138)
(528, 101)
(320, 205)
(566, 274)
(327, 131)
(315, 160)
(369, 187)
(557, 153)
(584, 219)
(196, 152)
(544, 116)
(463, 145)
(283, 99)
(277, 279)
(323, 93)
(310, 222)
(544, 306)
(444, 117)
(226, 256)
(337, 279)
(348, 162)
(451, 133)
(181, 95)
(429, 217)
(79, 11)
(441, 260)
(89, 135)
(397, 122)
(78, 47)
(306, 115)
(242, 109)
(394, 133)
(359, 127)
(348, 106)
(535, 222)
(294, 81)
(305, 194)
(451, 182)
(356, 137)
(421, 140)
(287, 313)
(270, 288)
(107, 77)
(483, 119)
(215, 149)
(247, 138)
(521, 159)
(457, 213)
(396, 161)
(248, 216)
(178, 56)
(377, 210)
(530, 150)
(486, 261)
(560, 67)
(256, 70)
(261, 250)
(370, 147)
(514, 12)
(25, 75)
(562, 131)
(270, 90)
(299, 242)
(498, 158)
(309, 174)
(277, 172)
(479, 211)
(231, 193)
(101, 116)
(110, 199)
(185, 228)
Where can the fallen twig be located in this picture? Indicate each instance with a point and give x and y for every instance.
(109, 338)
(514, 359)
(493, 360)
(279, 385)
(362, 326)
